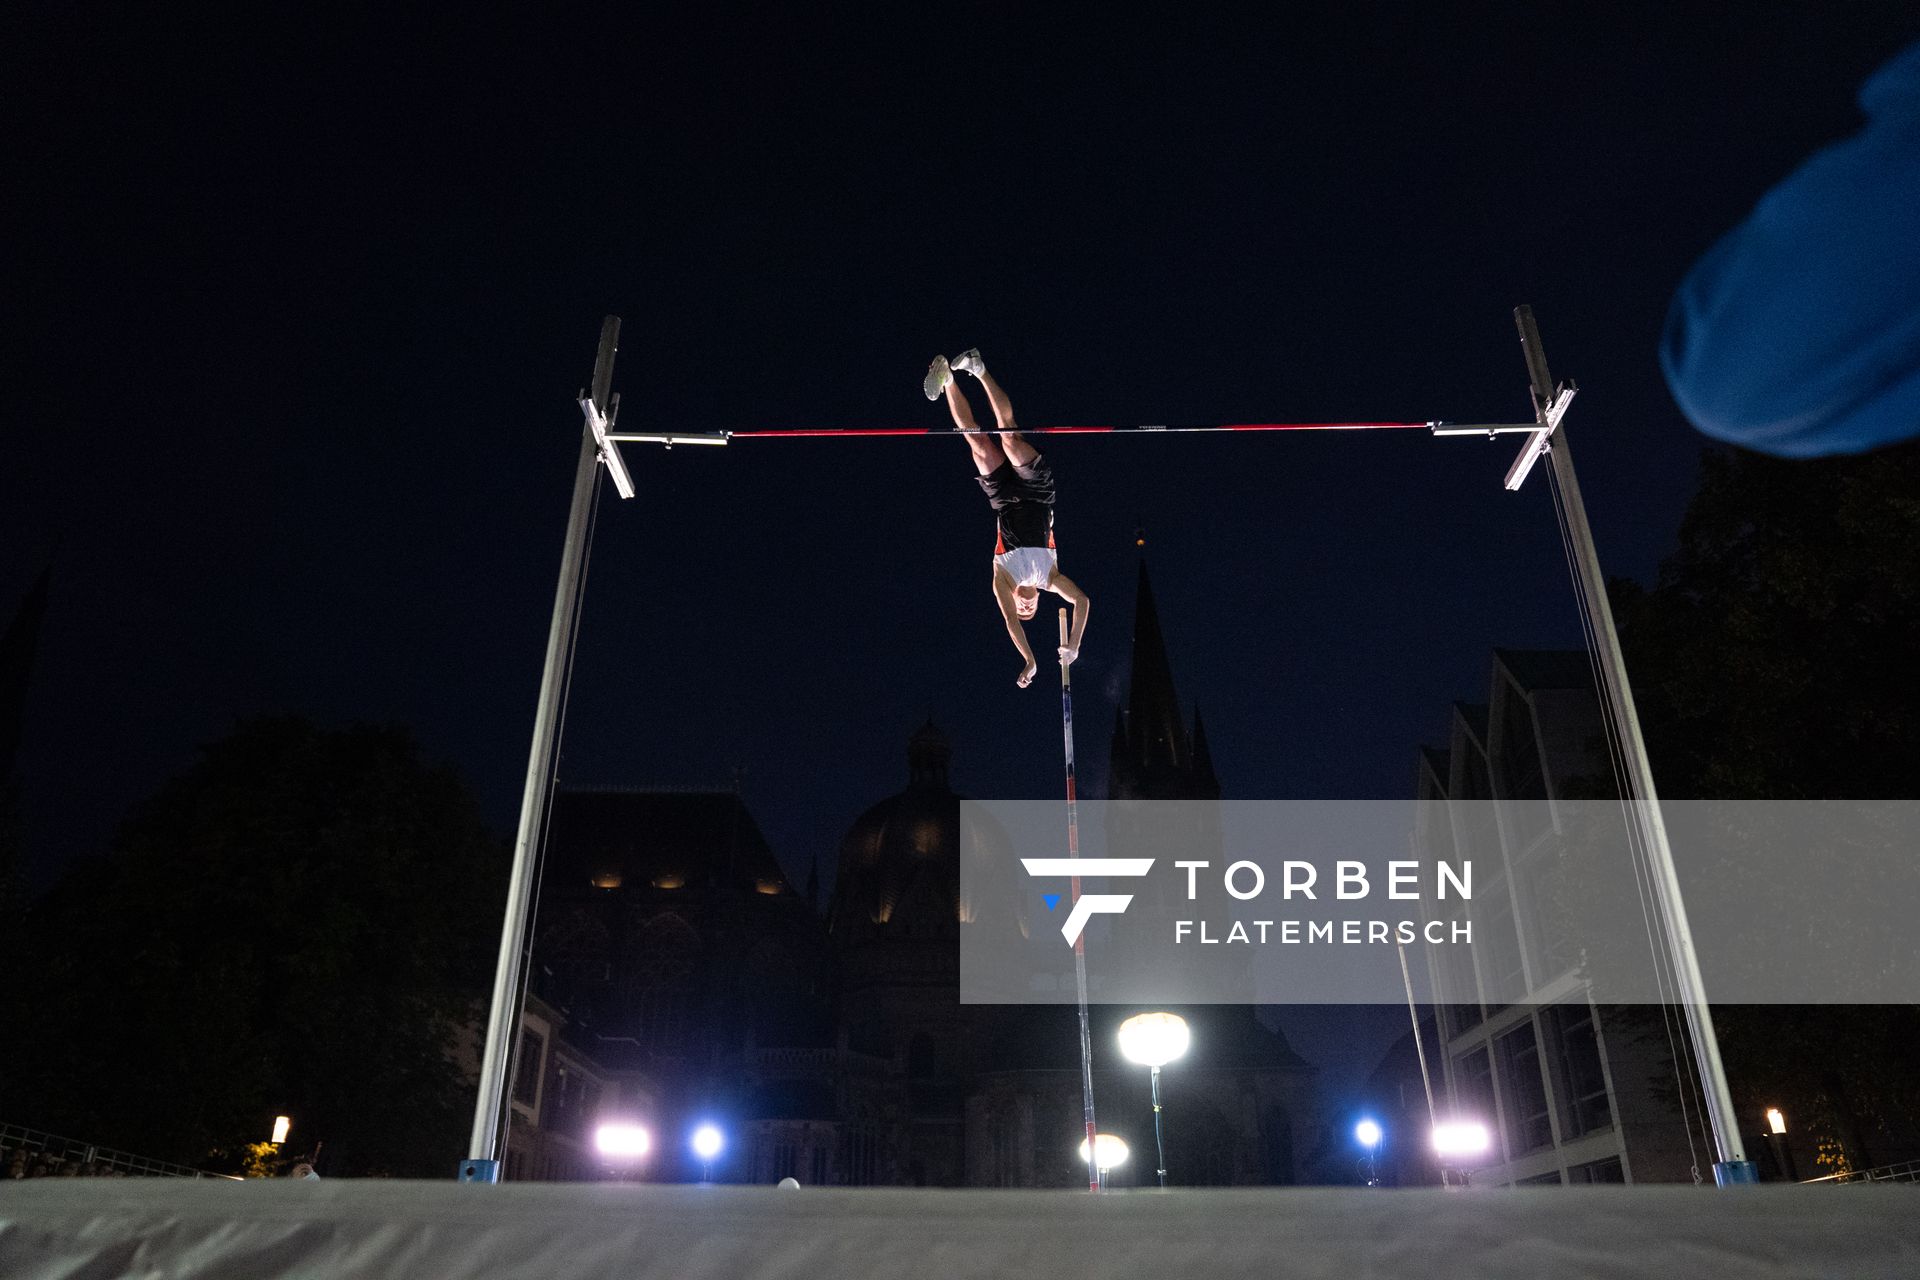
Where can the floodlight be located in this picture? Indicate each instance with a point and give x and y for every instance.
(1367, 1133)
(1459, 1138)
(622, 1140)
(1776, 1120)
(708, 1141)
(280, 1126)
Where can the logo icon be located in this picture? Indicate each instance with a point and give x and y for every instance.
(1088, 905)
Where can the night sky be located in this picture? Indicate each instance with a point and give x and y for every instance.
(304, 304)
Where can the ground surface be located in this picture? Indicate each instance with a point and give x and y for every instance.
(104, 1228)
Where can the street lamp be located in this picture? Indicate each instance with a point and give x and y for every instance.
(1152, 1040)
(1368, 1134)
(1777, 1139)
(708, 1142)
(1109, 1152)
(281, 1124)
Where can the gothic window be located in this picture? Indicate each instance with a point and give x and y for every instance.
(665, 960)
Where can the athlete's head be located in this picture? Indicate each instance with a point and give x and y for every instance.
(1026, 601)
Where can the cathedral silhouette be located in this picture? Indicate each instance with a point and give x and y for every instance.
(680, 979)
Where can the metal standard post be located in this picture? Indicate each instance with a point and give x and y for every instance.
(1732, 1166)
(1159, 1141)
(496, 1063)
(1094, 1177)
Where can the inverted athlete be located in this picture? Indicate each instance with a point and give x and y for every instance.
(1019, 485)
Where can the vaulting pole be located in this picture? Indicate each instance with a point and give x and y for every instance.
(503, 1019)
(1732, 1165)
(1079, 943)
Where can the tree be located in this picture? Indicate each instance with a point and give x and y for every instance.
(298, 924)
(1775, 658)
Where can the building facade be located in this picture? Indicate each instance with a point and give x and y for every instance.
(1573, 1091)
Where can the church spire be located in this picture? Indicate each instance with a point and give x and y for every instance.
(1153, 708)
(1203, 775)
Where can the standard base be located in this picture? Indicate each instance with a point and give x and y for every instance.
(1734, 1173)
(478, 1171)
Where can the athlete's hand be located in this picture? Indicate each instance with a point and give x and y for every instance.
(1067, 654)
(1026, 676)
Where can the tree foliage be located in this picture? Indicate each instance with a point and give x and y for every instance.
(1775, 656)
(1778, 657)
(296, 925)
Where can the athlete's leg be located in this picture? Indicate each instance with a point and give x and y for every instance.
(987, 454)
(1018, 451)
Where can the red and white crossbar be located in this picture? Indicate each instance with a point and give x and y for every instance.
(850, 433)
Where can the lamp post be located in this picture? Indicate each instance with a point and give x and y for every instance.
(1368, 1134)
(281, 1124)
(1777, 1139)
(1109, 1152)
(708, 1142)
(1152, 1040)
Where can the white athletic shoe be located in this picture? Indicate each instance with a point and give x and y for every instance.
(969, 361)
(939, 374)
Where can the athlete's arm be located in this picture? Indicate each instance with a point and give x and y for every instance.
(1063, 586)
(1003, 595)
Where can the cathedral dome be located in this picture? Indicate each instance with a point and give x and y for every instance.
(899, 868)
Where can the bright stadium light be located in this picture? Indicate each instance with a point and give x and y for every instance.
(1460, 1139)
(622, 1140)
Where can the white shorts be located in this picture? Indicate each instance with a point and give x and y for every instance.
(1029, 566)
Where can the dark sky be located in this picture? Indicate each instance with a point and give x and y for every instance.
(304, 304)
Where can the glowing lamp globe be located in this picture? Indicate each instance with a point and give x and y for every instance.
(1367, 1133)
(1154, 1039)
(1109, 1151)
(707, 1142)
(622, 1141)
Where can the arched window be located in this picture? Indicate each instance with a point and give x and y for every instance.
(666, 958)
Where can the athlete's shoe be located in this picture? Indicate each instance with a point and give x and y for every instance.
(939, 374)
(969, 361)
